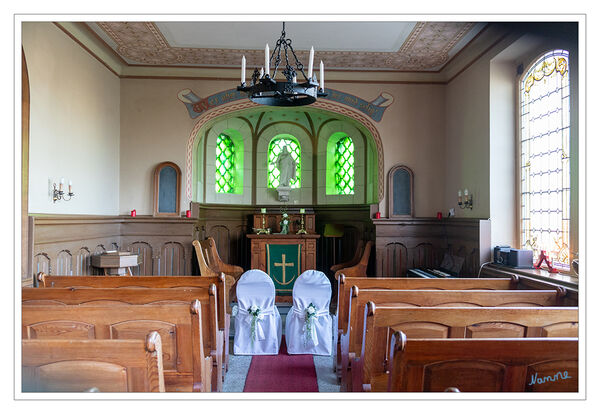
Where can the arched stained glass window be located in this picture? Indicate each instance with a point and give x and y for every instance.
(225, 165)
(275, 148)
(545, 155)
(344, 166)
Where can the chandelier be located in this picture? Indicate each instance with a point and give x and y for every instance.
(265, 90)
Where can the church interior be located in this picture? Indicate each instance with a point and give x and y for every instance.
(302, 206)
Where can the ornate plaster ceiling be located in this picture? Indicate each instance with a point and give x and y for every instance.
(392, 46)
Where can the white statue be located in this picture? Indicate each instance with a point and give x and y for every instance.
(287, 167)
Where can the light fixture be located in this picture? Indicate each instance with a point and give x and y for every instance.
(265, 90)
(467, 201)
(59, 194)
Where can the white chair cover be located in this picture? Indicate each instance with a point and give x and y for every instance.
(313, 287)
(255, 288)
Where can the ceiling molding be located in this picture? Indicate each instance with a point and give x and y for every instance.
(90, 41)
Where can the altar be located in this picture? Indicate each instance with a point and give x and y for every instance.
(283, 257)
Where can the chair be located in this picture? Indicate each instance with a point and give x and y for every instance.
(352, 262)
(260, 334)
(311, 287)
(359, 269)
(210, 264)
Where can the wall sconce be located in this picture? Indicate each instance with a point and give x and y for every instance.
(465, 201)
(59, 194)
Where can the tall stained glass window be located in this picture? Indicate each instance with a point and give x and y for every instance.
(545, 177)
(344, 166)
(225, 164)
(275, 148)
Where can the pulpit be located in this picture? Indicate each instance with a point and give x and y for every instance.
(284, 256)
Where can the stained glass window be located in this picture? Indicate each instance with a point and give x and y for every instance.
(545, 174)
(275, 148)
(225, 164)
(344, 166)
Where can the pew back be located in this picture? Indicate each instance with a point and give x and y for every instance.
(186, 366)
(67, 365)
(483, 365)
(143, 281)
(426, 322)
(346, 283)
(351, 340)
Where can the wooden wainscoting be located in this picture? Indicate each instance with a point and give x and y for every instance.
(64, 245)
(402, 244)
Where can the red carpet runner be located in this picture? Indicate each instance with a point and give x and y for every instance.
(282, 373)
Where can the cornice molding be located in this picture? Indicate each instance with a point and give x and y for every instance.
(90, 41)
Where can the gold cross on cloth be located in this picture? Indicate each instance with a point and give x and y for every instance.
(283, 265)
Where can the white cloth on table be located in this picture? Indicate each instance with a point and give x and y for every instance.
(255, 288)
(311, 287)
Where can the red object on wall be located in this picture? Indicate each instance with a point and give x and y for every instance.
(378, 215)
(544, 258)
(188, 213)
(133, 213)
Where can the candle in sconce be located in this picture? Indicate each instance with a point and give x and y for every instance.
(243, 69)
(459, 196)
(267, 59)
(311, 57)
(466, 195)
(321, 75)
(70, 186)
(62, 182)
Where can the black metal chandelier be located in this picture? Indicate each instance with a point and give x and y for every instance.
(265, 90)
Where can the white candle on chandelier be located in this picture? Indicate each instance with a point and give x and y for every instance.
(311, 57)
(294, 79)
(322, 76)
(267, 59)
(243, 69)
(262, 71)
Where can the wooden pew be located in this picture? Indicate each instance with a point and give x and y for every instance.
(187, 367)
(369, 372)
(345, 284)
(483, 365)
(351, 340)
(153, 282)
(140, 296)
(76, 365)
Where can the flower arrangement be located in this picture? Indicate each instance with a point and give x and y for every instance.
(310, 314)
(284, 223)
(254, 311)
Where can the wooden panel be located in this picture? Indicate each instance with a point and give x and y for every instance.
(428, 239)
(144, 252)
(81, 376)
(395, 259)
(481, 376)
(553, 376)
(60, 329)
(83, 262)
(172, 260)
(495, 330)
(138, 329)
(565, 329)
(424, 329)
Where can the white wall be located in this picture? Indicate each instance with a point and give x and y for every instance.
(503, 153)
(74, 124)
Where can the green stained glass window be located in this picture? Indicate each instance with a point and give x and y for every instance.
(344, 166)
(225, 164)
(275, 148)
